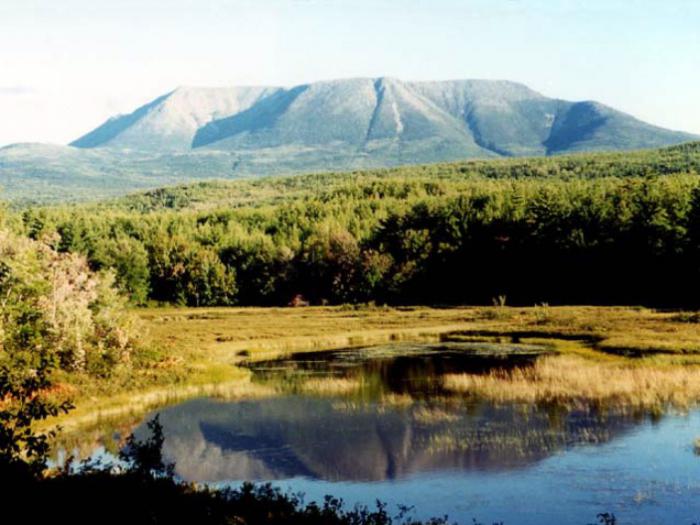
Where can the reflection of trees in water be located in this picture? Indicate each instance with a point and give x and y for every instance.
(417, 372)
(302, 436)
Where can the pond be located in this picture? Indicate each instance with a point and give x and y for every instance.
(375, 423)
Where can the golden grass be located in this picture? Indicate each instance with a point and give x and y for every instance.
(132, 403)
(432, 415)
(571, 380)
(519, 445)
(385, 403)
(194, 349)
(394, 401)
(331, 385)
(225, 333)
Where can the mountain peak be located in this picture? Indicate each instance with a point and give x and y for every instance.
(384, 118)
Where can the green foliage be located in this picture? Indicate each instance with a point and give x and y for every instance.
(52, 305)
(588, 228)
(145, 458)
(188, 273)
(261, 268)
(23, 404)
(129, 260)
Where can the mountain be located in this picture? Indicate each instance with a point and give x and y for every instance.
(169, 122)
(387, 119)
(196, 133)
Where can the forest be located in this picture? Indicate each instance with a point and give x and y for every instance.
(609, 228)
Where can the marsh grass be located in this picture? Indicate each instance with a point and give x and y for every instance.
(331, 385)
(217, 334)
(392, 400)
(187, 352)
(132, 404)
(572, 380)
(513, 445)
(542, 313)
(433, 415)
(385, 403)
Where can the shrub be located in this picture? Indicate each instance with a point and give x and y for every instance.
(52, 305)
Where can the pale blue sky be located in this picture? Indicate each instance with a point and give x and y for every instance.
(65, 66)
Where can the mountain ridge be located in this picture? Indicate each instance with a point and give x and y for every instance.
(379, 116)
(200, 133)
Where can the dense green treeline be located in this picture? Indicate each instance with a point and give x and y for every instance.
(418, 235)
(682, 159)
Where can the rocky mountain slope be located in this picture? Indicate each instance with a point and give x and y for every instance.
(385, 119)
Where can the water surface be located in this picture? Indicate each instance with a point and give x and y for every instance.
(397, 436)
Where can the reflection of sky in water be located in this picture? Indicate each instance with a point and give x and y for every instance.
(522, 465)
(649, 476)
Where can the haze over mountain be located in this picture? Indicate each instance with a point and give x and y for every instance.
(194, 133)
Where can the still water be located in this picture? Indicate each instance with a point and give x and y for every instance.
(396, 436)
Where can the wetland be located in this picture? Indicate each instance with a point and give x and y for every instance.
(395, 422)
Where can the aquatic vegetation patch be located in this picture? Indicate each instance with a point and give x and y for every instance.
(572, 380)
(331, 385)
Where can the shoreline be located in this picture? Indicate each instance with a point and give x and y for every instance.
(206, 346)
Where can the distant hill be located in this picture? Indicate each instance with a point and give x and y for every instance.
(200, 133)
(263, 192)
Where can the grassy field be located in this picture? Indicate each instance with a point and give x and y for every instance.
(197, 351)
(227, 335)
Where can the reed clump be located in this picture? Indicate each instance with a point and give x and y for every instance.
(571, 380)
(331, 385)
(433, 415)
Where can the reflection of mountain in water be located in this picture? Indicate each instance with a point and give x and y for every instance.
(360, 436)
(336, 440)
